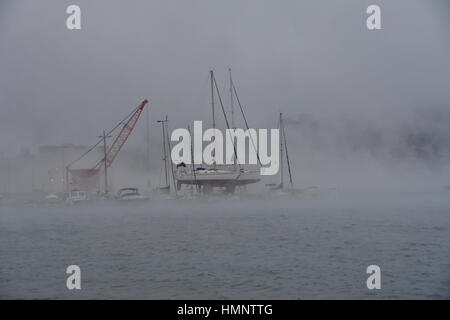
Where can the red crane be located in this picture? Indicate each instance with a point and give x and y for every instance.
(122, 137)
(88, 178)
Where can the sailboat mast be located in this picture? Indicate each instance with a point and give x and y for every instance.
(287, 157)
(281, 149)
(232, 106)
(231, 99)
(165, 154)
(192, 160)
(169, 158)
(213, 111)
(164, 149)
(212, 99)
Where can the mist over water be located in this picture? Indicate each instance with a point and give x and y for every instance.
(354, 150)
(306, 248)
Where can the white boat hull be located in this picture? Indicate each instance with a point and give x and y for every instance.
(217, 178)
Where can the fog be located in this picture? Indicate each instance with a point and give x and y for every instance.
(363, 108)
(366, 115)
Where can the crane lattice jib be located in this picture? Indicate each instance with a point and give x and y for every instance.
(122, 137)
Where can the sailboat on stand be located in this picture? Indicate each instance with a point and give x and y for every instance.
(212, 178)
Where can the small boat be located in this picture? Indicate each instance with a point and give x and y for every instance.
(130, 194)
(52, 198)
(77, 196)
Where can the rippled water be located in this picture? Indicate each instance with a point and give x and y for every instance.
(305, 248)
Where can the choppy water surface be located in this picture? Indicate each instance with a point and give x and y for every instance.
(304, 248)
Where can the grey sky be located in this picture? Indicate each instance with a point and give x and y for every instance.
(59, 86)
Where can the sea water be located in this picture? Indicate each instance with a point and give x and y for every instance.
(276, 248)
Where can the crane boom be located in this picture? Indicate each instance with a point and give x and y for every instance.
(122, 137)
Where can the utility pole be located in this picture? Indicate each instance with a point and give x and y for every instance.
(8, 170)
(105, 160)
(63, 166)
(32, 174)
(67, 178)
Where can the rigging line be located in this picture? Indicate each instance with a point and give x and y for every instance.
(246, 124)
(223, 91)
(233, 124)
(101, 140)
(224, 87)
(226, 119)
(84, 154)
(287, 157)
(203, 95)
(130, 115)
